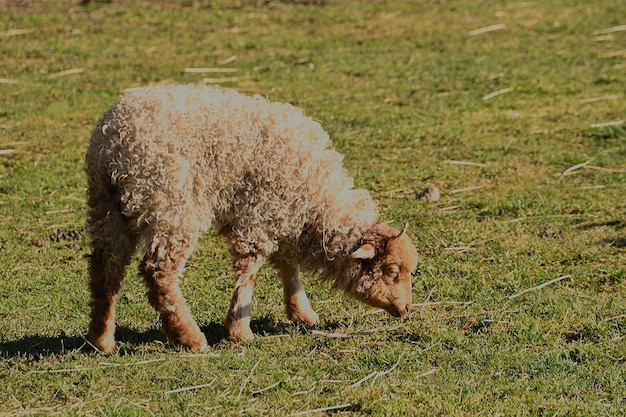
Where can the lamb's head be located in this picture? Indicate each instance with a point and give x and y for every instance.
(380, 269)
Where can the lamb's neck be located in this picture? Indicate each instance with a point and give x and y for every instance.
(327, 250)
(336, 228)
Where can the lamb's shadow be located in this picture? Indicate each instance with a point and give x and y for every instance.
(37, 347)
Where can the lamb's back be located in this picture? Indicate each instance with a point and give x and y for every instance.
(198, 152)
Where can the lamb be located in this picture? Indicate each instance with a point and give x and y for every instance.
(165, 163)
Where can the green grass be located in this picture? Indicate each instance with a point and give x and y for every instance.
(401, 89)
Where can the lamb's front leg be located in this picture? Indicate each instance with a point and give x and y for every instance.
(296, 303)
(238, 317)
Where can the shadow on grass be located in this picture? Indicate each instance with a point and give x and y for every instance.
(38, 347)
(617, 243)
(616, 224)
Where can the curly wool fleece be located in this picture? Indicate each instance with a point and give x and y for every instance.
(189, 156)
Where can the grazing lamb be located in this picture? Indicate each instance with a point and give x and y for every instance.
(167, 162)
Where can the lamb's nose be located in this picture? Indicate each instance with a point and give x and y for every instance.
(398, 311)
(405, 310)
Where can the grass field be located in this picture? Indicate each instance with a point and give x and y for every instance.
(514, 110)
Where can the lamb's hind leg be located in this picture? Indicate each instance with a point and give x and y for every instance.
(112, 247)
(161, 269)
(296, 302)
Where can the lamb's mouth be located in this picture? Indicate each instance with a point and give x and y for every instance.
(397, 311)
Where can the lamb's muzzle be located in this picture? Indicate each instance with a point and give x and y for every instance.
(397, 312)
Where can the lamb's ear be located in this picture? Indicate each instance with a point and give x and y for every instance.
(365, 251)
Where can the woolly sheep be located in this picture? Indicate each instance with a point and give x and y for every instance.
(165, 163)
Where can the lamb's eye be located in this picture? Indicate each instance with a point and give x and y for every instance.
(392, 270)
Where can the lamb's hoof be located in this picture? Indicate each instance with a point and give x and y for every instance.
(197, 345)
(240, 335)
(310, 318)
(102, 344)
(194, 341)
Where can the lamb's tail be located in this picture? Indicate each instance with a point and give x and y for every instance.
(103, 196)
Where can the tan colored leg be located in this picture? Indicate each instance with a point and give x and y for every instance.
(238, 317)
(161, 270)
(296, 302)
(112, 248)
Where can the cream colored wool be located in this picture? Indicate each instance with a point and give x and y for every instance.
(264, 169)
(165, 163)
